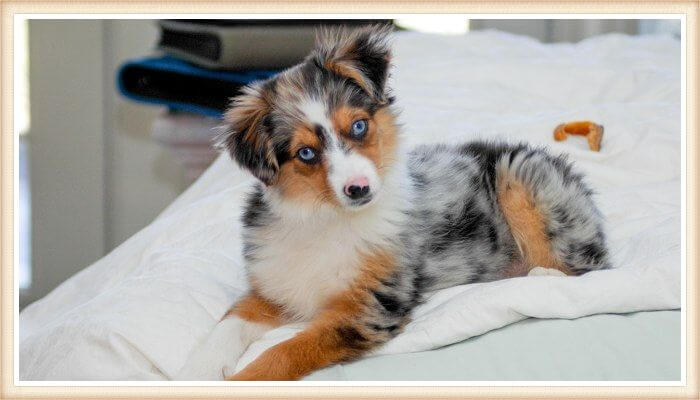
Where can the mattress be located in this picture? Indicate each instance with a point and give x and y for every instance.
(138, 312)
(642, 346)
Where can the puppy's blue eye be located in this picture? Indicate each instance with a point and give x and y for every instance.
(307, 155)
(358, 129)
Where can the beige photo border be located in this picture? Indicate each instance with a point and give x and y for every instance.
(10, 8)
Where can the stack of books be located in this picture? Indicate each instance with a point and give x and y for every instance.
(203, 63)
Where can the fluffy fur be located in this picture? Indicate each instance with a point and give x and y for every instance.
(432, 217)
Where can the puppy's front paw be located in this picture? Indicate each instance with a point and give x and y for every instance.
(256, 375)
(540, 271)
(207, 365)
(274, 364)
(218, 356)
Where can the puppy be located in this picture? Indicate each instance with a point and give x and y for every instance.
(346, 230)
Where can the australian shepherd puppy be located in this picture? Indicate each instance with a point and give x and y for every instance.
(346, 230)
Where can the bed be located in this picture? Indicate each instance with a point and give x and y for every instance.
(137, 313)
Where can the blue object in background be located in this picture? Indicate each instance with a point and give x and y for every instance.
(181, 86)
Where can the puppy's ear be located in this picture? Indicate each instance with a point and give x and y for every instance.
(248, 137)
(362, 55)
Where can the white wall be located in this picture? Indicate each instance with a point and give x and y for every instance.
(141, 177)
(65, 146)
(96, 175)
(572, 30)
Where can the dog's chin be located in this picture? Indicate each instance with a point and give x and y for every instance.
(359, 204)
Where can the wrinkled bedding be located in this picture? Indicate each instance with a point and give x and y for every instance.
(136, 313)
(641, 346)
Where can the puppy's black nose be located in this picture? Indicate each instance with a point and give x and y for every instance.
(356, 192)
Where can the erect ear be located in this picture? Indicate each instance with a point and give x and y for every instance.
(362, 55)
(248, 138)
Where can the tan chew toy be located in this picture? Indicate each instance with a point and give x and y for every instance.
(592, 131)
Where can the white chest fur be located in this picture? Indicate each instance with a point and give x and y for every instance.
(307, 256)
(302, 266)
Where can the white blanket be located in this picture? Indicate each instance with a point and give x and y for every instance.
(139, 311)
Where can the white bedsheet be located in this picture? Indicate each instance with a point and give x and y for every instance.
(136, 313)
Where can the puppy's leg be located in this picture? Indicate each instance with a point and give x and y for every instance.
(551, 213)
(527, 225)
(244, 323)
(352, 323)
(336, 335)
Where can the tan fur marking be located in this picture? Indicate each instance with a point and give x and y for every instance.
(344, 69)
(303, 137)
(248, 112)
(321, 344)
(375, 268)
(343, 116)
(387, 138)
(246, 117)
(303, 182)
(527, 226)
(255, 308)
(379, 144)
